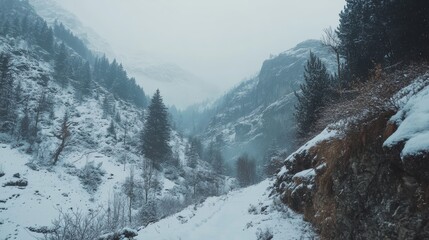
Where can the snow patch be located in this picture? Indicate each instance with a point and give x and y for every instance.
(412, 120)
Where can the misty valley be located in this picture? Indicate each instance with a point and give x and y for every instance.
(327, 139)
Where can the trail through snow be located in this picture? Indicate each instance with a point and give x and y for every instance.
(237, 215)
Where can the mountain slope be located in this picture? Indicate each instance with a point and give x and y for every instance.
(150, 71)
(258, 113)
(241, 214)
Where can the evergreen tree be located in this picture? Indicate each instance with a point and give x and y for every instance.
(111, 129)
(383, 32)
(60, 68)
(192, 155)
(156, 131)
(85, 80)
(218, 162)
(246, 170)
(24, 127)
(314, 94)
(215, 158)
(7, 103)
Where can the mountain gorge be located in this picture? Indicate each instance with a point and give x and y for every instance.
(258, 113)
(85, 153)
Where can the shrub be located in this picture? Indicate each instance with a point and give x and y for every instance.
(264, 235)
(148, 213)
(76, 225)
(91, 176)
(125, 233)
(18, 183)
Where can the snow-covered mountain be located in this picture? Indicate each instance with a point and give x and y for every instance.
(258, 113)
(51, 11)
(150, 71)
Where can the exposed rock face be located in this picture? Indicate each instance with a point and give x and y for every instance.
(359, 190)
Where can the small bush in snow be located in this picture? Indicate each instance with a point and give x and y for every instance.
(148, 213)
(76, 225)
(91, 176)
(168, 206)
(18, 183)
(264, 235)
(123, 234)
(252, 209)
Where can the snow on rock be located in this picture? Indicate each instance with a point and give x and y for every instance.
(240, 214)
(325, 135)
(412, 120)
(308, 173)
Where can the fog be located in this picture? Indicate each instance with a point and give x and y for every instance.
(219, 43)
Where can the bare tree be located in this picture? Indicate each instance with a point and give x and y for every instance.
(77, 225)
(148, 175)
(331, 40)
(64, 136)
(130, 188)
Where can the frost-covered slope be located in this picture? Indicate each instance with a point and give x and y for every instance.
(47, 192)
(150, 71)
(51, 11)
(241, 214)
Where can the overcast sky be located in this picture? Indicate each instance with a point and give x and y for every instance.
(220, 41)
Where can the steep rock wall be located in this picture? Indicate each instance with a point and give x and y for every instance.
(350, 187)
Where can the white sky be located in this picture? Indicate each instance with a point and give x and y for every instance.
(220, 41)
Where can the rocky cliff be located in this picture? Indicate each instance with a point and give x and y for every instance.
(369, 181)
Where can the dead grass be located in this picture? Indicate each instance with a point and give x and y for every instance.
(365, 100)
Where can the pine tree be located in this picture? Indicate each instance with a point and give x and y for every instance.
(376, 32)
(313, 96)
(7, 103)
(192, 155)
(111, 129)
(218, 162)
(215, 158)
(156, 132)
(246, 170)
(61, 66)
(85, 80)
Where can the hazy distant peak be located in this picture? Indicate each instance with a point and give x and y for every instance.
(51, 11)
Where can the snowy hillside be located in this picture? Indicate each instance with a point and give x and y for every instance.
(72, 143)
(241, 214)
(48, 191)
(51, 11)
(150, 71)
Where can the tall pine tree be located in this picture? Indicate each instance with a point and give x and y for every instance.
(156, 132)
(313, 96)
(7, 113)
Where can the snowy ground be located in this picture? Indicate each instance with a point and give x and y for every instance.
(47, 192)
(237, 215)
